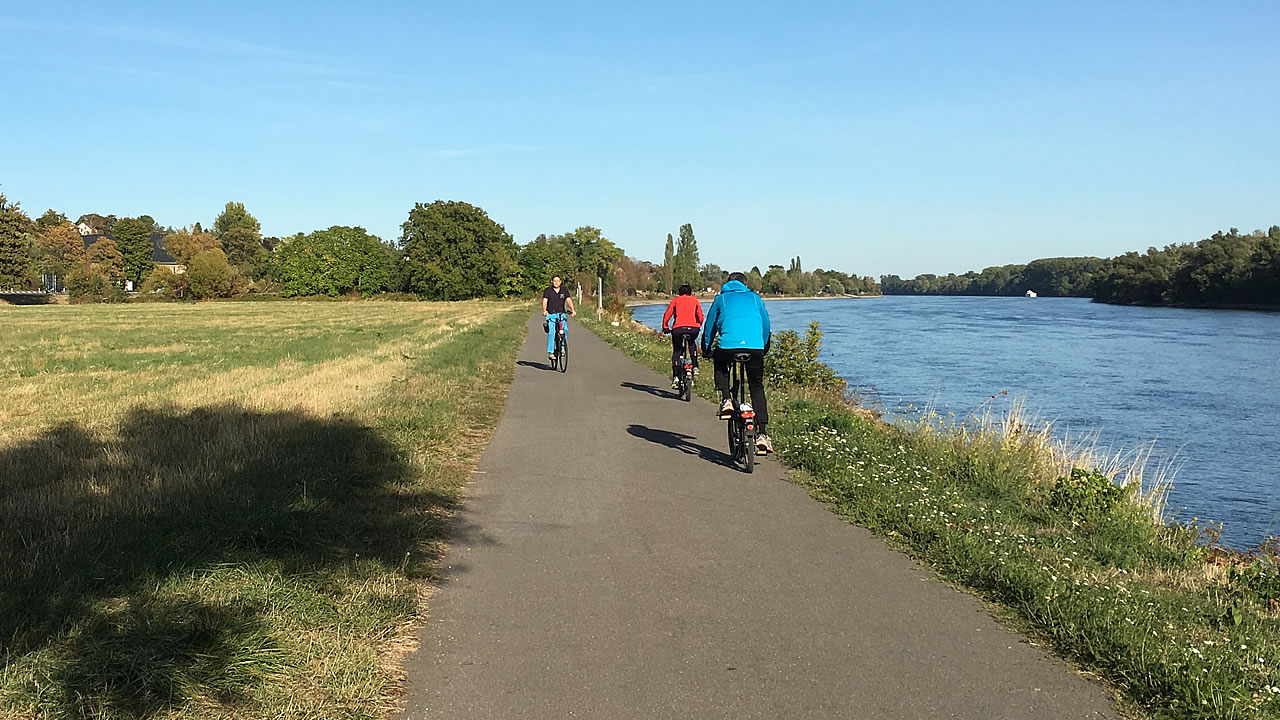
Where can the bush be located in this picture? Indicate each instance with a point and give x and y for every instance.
(616, 306)
(210, 276)
(1086, 495)
(88, 285)
(159, 283)
(793, 361)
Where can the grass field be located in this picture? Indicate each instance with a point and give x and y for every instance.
(231, 510)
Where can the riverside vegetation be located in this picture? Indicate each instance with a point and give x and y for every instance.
(231, 510)
(1069, 545)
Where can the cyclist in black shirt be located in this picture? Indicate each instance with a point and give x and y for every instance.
(554, 301)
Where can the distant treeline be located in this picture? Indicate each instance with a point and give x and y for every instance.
(1226, 269)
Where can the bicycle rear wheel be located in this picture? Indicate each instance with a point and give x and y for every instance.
(562, 351)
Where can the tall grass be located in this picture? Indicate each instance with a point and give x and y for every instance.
(231, 511)
(1068, 541)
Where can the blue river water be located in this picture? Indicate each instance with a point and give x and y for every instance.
(1203, 384)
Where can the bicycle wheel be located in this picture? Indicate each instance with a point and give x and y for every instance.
(563, 352)
(748, 450)
(686, 389)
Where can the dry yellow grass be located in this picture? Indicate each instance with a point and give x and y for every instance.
(231, 510)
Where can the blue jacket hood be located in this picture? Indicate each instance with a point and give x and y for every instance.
(737, 320)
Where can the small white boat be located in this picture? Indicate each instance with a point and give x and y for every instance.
(1032, 293)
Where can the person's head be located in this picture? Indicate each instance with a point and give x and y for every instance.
(740, 277)
(686, 290)
(555, 282)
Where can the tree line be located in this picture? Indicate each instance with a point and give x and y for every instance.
(1227, 268)
(447, 250)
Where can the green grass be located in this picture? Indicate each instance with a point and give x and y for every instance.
(243, 517)
(1179, 628)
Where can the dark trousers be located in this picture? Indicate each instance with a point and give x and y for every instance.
(679, 336)
(755, 380)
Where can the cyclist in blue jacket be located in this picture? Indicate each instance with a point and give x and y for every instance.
(739, 323)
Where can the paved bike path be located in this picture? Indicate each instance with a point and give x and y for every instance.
(609, 564)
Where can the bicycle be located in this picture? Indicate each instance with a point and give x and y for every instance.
(686, 361)
(742, 424)
(560, 361)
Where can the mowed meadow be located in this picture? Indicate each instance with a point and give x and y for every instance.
(231, 510)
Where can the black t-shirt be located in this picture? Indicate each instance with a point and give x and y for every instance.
(555, 299)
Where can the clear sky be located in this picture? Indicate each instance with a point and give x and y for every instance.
(868, 137)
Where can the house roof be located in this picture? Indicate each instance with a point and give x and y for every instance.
(159, 254)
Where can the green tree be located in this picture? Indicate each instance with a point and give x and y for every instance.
(209, 275)
(17, 247)
(334, 262)
(455, 251)
(669, 267)
(712, 276)
(133, 237)
(50, 218)
(775, 281)
(545, 257)
(185, 244)
(686, 260)
(240, 235)
(595, 255)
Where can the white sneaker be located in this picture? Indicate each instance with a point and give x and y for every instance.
(726, 410)
(675, 383)
(763, 445)
(746, 408)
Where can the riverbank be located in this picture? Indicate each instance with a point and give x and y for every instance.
(1253, 307)
(1175, 624)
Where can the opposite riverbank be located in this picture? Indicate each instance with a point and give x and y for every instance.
(708, 297)
(1177, 625)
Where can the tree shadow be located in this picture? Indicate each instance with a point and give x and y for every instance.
(681, 442)
(96, 530)
(651, 389)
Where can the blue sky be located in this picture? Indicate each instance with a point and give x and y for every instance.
(869, 137)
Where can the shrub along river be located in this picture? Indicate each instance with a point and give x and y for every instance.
(1204, 384)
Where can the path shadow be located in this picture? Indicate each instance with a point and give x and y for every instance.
(97, 530)
(681, 442)
(651, 389)
(534, 365)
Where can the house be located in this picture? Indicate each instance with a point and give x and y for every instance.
(84, 229)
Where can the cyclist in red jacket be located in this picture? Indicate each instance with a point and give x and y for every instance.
(683, 320)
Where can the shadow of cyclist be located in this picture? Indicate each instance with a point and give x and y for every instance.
(681, 442)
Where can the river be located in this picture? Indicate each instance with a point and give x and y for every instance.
(1203, 384)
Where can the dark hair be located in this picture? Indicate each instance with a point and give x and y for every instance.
(738, 276)
(685, 290)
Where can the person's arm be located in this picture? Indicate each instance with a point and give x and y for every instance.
(764, 322)
(668, 315)
(569, 304)
(709, 326)
(697, 314)
(544, 304)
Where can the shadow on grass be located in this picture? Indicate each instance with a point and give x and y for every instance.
(104, 542)
(683, 443)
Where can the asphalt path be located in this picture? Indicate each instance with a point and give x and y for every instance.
(609, 562)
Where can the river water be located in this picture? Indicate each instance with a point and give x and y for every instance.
(1203, 384)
